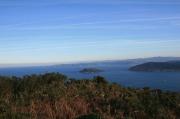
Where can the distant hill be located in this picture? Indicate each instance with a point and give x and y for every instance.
(170, 66)
(128, 62)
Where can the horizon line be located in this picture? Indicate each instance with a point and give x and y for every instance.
(8, 65)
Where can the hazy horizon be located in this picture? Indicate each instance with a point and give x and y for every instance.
(79, 62)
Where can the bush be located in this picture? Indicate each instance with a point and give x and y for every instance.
(54, 96)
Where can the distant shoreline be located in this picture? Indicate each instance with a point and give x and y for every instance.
(173, 66)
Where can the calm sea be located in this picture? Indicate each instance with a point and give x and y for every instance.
(113, 73)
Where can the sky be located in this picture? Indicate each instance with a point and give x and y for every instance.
(62, 31)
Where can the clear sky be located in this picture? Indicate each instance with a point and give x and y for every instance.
(52, 31)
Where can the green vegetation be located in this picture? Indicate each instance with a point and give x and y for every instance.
(54, 96)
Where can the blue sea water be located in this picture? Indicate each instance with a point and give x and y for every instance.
(113, 73)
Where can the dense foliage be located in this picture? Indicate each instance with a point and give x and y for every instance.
(54, 96)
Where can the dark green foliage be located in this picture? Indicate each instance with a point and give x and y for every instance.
(54, 96)
(100, 80)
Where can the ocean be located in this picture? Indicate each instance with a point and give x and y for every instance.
(117, 73)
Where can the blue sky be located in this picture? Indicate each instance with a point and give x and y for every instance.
(58, 31)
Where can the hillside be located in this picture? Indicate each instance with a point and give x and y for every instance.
(172, 66)
(54, 96)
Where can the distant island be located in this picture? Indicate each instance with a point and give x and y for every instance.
(172, 66)
(91, 70)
